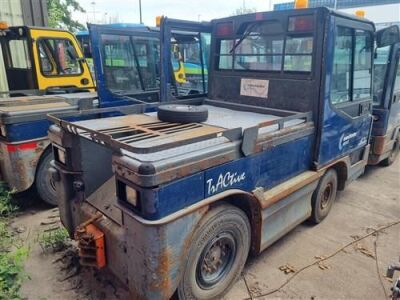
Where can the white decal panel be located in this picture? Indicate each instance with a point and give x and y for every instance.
(254, 87)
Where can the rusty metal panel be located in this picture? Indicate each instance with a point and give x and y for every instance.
(18, 163)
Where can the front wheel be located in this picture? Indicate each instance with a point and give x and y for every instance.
(217, 254)
(44, 183)
(324, 196)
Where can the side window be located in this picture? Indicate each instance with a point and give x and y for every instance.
(19, 54)
(352, 65)
(58, 57)
(340, 83)
(362, 65)
(48, 65)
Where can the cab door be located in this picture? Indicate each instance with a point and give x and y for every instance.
(347, 100)
(59, 61)
(394, 99)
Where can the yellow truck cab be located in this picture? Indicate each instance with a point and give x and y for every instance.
(43, 61)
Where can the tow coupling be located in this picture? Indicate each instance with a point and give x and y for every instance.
(91, 243)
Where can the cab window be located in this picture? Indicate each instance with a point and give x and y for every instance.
(19, 54)
(381, 63)
(352, 66)
(58, 57)
(270, 47)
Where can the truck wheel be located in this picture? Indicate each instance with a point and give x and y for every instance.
(217, 254)
(393, 154)
(182, 113)
(324, 196)
(44, 182)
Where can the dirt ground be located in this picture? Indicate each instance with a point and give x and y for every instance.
(357, 272)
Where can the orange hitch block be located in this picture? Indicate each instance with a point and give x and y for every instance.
(91, 244)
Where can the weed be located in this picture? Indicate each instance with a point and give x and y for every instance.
(7, 207)
(54, 240)
(11, 256)
(12, 272)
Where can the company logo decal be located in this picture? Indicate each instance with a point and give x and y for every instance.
(224, 181)
(345, 139)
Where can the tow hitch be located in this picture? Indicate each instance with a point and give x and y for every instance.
(91, 243)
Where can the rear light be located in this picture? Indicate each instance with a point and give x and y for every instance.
(128, 194)
(301, 23)
(131, 196)
(224, 29)
(3, 131)
(59, 154)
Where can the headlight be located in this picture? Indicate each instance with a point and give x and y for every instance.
(59, 154)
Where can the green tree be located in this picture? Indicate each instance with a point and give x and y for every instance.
(60, 14)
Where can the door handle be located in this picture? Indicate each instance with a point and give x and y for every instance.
(394, 98)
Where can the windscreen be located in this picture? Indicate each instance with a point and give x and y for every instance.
(130, 64)
(269, 46)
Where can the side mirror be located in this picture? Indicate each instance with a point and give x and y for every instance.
(388, 36)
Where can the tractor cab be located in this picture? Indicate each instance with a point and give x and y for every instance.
(41, 61)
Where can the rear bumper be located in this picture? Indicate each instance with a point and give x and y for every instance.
(147, 256)
(18, 162)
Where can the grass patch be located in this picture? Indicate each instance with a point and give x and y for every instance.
(7, 205)
(54, 240)
(12, 255)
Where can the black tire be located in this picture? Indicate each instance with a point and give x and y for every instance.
(44, 183)
(217, 254)
(182, 113)
(393, 154)
(324, 196)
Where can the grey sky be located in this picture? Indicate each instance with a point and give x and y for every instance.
(127, 10)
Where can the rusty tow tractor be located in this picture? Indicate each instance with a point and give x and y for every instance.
(182, 204)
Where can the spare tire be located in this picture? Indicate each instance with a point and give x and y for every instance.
(176, 113)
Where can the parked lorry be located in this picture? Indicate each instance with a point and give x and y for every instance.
(41, 61)
(169, 205)
(385, 139)
(25, 152)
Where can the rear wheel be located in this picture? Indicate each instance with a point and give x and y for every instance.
(45, 185)
(324, 196)
(218, 252)
(393, 154)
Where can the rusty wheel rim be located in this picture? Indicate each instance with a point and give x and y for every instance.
(326, 196)
(216, 260)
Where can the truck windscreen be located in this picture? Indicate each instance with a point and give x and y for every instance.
(269, 46)
(130, 64)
